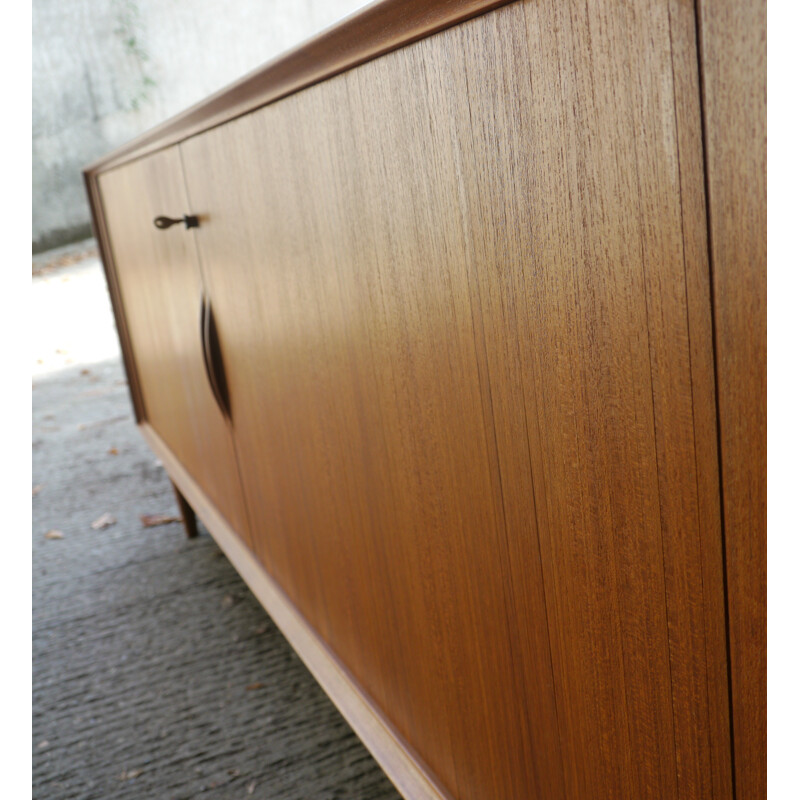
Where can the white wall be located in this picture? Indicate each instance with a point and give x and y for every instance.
(104, 71)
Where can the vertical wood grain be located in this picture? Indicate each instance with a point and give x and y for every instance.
(463, 294)
(160, 286)
(586, 379)
(374, 376)
(688, 117)
(733, 37)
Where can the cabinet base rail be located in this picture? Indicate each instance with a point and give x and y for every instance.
(406, 771)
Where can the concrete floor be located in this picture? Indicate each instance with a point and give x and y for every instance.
(156, 674)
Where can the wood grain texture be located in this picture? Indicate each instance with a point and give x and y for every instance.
(683, 27)
(593, 158)
(477, 412)
(463, 303)
(733, 36)
(375, 501)
(161, 289)
(378, 28)
(403, 767)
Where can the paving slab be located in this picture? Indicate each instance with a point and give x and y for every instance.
(156, 673)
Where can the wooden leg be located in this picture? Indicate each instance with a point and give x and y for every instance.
(187, 514)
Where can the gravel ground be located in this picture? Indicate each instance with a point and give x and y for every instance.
(156, 673)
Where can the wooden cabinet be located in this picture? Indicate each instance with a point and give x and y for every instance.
(467, 453)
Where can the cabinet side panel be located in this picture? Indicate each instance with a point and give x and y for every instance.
(104, 245)
(733, 37)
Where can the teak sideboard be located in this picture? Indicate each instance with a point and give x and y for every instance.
(450, 325)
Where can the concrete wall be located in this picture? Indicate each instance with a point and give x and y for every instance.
(104, 71)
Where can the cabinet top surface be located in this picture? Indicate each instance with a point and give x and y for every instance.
(372, 31)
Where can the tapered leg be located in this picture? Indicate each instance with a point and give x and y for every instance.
(187, 514)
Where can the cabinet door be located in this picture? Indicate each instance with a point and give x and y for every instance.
(463, 294)
(162, 293)
(345, 318)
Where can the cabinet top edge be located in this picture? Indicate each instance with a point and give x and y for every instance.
(370, 32)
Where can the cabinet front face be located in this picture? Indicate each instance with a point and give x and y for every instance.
(161, 291)
(463, 299)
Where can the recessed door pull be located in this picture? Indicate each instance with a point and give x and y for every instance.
(212, 357)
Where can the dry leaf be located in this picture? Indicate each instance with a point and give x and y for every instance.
(37, 489)
(152, 520)
(85, 371)
(113, 451)
(251, 687)
(54, 534)
(103, 522)
(251, 788)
